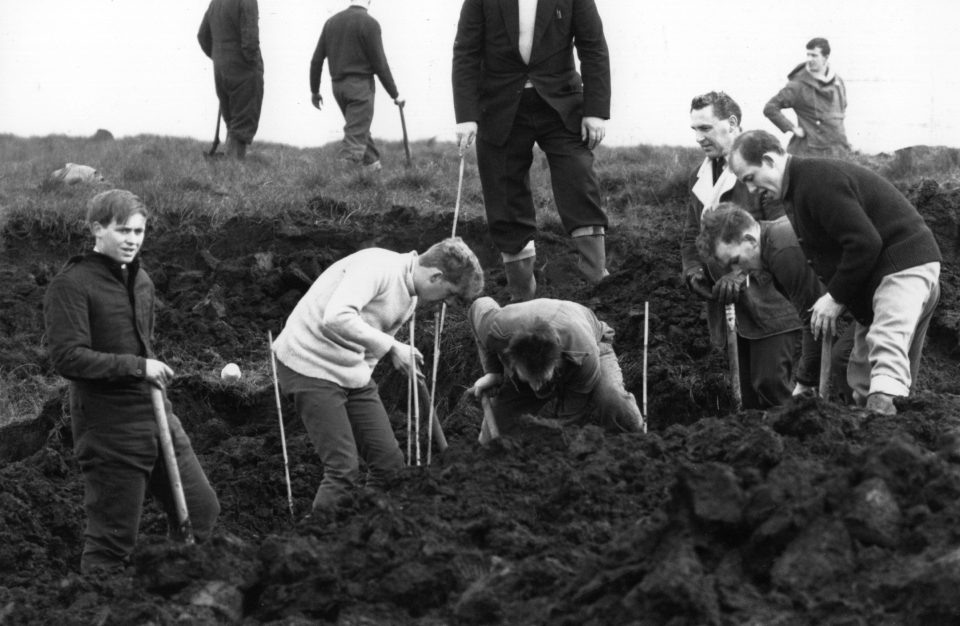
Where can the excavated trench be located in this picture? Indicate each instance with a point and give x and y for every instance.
(810, 514)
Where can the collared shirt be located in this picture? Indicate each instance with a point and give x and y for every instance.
(528, 19)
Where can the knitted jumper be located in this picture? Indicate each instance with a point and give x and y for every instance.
(347, 320)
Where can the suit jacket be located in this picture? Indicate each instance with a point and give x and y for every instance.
(489, 73)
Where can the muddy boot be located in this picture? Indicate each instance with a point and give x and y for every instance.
(592, 262)
(521, 283)
(881, 403)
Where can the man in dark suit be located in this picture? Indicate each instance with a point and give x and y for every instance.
(515, 84)
(869, 246)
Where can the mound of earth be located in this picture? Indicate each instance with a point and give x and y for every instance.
(813, 513)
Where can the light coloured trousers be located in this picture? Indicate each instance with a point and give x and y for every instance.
(886, 354)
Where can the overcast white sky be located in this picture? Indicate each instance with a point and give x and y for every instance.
(71, 67)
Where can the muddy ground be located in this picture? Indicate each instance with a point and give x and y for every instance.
(810, 514)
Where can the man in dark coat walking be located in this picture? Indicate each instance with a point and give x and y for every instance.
(230, 35)
(352, 44)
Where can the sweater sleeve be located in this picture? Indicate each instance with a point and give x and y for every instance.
(342, 317)
(66, 314)
(316, 63)
(841, 214)
(378, 58)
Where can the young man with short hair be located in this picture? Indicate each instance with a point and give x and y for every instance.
(337, 334)
(869, 246)
(818, 97)
(540, 350)
(99, 315)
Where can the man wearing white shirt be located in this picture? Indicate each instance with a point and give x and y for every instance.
(768, 327)
(516, 84)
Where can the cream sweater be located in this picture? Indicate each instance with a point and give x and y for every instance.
(347, 320)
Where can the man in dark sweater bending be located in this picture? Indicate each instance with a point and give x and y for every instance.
(351, 41)
(869, 246)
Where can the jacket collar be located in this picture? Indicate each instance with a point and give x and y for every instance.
(706, 191)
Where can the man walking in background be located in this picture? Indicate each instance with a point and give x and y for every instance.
(818, 97)
(99, 314)
(768, 327)
(230, 35)
(515, 83)
(352, 42)
(872, 250)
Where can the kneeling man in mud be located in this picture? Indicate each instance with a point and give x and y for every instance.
(335, 336)
(541, 350)
(99, 315)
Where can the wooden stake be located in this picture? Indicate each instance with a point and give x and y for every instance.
(733, 357)
(184, 530)
(283, 436)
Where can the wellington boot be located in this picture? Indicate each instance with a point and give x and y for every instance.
(881, 403)
(521, 282)
(592, 260)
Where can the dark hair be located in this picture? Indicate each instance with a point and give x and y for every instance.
(723, 105)
(725, 224)
(115, 204)
(819, 42)
(535, 348)
(753, 144)
(459, 265)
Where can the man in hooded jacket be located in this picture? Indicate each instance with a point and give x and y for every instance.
(818, 97)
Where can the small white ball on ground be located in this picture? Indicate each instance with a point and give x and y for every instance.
(230, 371)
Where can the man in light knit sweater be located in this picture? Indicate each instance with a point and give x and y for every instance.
(336, 335)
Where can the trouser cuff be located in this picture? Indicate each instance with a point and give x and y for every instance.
(889, 386)
(587, 231)
(526, 252)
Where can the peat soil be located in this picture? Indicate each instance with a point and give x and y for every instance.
(813, 513)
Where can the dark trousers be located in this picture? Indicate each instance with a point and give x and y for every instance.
(239, 88)
(766, 369)
(355, 96)
(505, 176)
(344, 425)
(120, 457)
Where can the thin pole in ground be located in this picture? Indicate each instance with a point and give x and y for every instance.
(826, 353)
(416, 388)
(733, 357)
(410, 385)
(646, 333)
(439, 317)
(283, 435)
